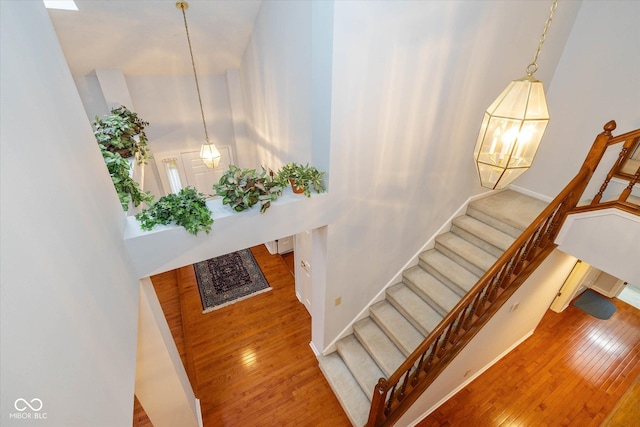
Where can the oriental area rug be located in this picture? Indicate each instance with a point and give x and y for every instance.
(228, 279)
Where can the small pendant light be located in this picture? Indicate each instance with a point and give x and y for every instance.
(208, 152)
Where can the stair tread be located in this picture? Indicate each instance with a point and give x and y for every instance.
(450, 269)
(424, 283)
(425, 318)
(353, 400)
(480, 258)
(484, 232)
(363, 368)
(396, 326)
(387, 356)
(510, 207)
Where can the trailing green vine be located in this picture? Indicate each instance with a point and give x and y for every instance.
(127, 188)
(243, 188)
(187, 208)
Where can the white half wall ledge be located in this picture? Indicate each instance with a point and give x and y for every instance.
(168, 247)
(608, 239)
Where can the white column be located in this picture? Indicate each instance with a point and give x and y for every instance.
(114, 88)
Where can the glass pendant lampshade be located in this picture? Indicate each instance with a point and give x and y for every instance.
(513, 126)
(210, 155)
(511, 132)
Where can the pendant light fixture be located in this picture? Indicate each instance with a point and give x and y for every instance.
(513, 126)
(208, 152)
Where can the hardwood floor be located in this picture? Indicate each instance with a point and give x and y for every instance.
(251, 361)
(571, 372)
(251, 364)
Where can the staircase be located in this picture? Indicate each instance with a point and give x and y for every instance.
(381, 342)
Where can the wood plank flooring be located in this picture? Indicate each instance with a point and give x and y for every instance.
(252, 364)
(571, 372)
(253, 367)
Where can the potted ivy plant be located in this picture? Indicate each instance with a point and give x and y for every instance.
(243, 188)
(187, 208)
(301, 177)
(128, 189)
(122, 132)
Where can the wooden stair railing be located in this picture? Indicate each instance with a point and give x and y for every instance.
(393, 396)
(631, 142)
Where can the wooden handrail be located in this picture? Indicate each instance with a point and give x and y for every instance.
(393, 396)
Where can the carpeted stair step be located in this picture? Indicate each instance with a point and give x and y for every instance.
(403, 334)
(421, 315)
(362, 366)
(452, 274)
(465, 253)
(353, 400)
(385, 353)
(433, 291)
(482, 235)
(396, 326)
(508, 211)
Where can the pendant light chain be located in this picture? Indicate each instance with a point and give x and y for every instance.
(533, 67)
(183, 5)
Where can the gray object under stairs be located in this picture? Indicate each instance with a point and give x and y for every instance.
(428, 291)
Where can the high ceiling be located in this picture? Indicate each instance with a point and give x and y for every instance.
(147, 37)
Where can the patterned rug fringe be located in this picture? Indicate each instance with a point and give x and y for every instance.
(210, 309)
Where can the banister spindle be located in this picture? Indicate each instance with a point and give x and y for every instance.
(627, 191)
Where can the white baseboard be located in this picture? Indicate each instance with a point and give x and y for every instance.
(470, 379)
(314, 349)
(199, 413)
(531, 193)
(348, 330)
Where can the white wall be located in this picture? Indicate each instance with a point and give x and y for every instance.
(245, 152)
(276, 82)
(597, 79)
(231, 231)
(607, 239)
(410, 83)
(170, 105)
(69, 295)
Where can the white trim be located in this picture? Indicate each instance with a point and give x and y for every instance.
(199, 413)
(314, 349)
(531, 193)
(470, 379)
(380, 296)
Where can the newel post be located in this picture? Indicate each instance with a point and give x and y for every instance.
(595, 155)
(599, 146)
(376, 413)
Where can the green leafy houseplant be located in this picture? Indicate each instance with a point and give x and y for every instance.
(187, 208)
(122, 132)
(301, 177)
(243, 188)
(127, 188)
